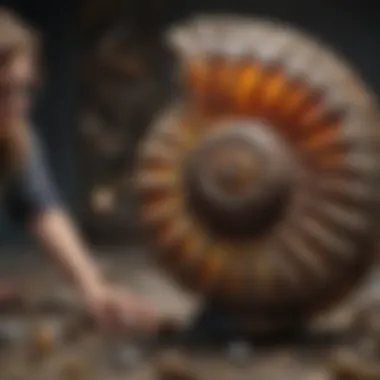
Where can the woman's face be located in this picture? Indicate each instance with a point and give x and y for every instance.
(16, 84)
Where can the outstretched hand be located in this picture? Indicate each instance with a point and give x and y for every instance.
(116, 309)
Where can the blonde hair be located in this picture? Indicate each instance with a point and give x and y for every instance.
(16, 38)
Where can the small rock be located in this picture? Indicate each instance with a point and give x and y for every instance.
(367, 320)
(43, 339)
(74, 369)
(13, 331)
(347, 365)
(78, 326)
(127, 357)
(364, 331)
(172, 365)
(239, 352)
(340, 364)
(368, 346)
(317, 375)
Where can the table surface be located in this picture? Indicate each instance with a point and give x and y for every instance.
(92, 357)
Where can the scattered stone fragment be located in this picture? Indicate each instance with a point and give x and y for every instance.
(77, 326)
(317, 375)
(172, 365)
(74, 369)
(240, 352)
(364, 331)
(43, 339)
(367, 321)
(13, 331)
(347, 365)
(126, 357)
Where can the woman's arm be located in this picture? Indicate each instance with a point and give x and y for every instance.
(57, 236)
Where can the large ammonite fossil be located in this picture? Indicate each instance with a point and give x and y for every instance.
(259, 186)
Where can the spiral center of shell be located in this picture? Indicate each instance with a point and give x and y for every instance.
(235, 179)
(233, 168)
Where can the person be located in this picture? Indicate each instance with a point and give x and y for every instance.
(29, 194)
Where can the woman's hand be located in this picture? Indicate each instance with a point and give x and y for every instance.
(117, 309)
(112, 308)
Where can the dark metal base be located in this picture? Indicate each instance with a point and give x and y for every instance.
(212, 328)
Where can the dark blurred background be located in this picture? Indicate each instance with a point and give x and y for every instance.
(109, 73)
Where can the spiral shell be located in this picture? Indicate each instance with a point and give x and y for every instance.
(259, 186)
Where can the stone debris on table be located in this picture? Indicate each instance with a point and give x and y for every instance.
(240, 352)
(77, 326)
(364, 331)
(174, 365)
(367, 320)
(74, 368)
(13, 331)
(360, 359)
(347, 364)
(44, 337)
(127, 357)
